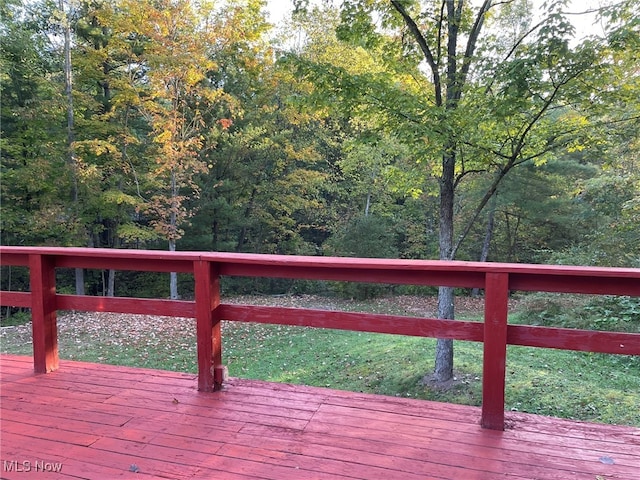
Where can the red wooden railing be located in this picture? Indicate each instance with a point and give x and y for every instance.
(496, 279)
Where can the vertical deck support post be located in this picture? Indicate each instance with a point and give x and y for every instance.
(495, 349)
(44, 327)
(211, 372)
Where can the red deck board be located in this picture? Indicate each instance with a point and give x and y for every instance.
(325, 466)
(49, 433)
(100, 421)
(466, 433)
(381, 456)
(202, 404)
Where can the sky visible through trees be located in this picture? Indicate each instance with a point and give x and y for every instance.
(280, 10)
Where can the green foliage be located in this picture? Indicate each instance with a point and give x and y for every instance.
(607, 208)
(366, 236)
(369, 237)
(610, 313)
(35, 185)
(16, 317)
(142, 284)
(615, 313)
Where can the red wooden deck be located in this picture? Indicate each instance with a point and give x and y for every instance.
(102, 422)
(496, 279)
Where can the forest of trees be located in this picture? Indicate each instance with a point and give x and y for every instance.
(377, 128)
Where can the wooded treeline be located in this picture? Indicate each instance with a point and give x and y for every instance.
(199, 126)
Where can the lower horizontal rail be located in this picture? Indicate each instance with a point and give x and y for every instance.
(15, 299)
(521, 335)
(141, 306)
(360, 322)
(572, 339)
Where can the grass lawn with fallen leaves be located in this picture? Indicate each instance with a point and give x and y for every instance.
(576, 385)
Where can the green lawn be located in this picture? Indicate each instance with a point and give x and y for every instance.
(585, 386)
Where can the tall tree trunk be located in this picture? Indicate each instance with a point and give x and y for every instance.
(368, 205)
(512, 235)
(214, 232)
(444, 347)
(488, 235)
(111, 276)
(68, 89)
(8, 308)
(457, 69)
(173, 277)
(242, 234)
(111, 283)
(443, 370)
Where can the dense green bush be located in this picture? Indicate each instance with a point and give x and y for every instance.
(368, 236)
(616, 313)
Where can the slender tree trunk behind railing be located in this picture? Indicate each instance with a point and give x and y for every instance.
(111, 283)
(173, 276)
(488, 235)
(443, 370)
(173, 221)
(71, 159)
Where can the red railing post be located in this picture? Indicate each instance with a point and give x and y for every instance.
(211, 372)
(495, 349)
(43, 313)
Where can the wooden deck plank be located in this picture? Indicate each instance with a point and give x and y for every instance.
(340, 454)
(47, 433)
(316, 465)
(478, 456)
(62, 413)
(16, 447)
(102, 421)
(202, 404)
(464, 433)
(303, 443)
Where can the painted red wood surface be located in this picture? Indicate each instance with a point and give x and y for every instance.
(570, 279)
(43, 313)
(208, 327)
(570, 339)
(102, 421)
(15, 299)
(376, 323)
(143, 306)
(495, 349)
(497, 280)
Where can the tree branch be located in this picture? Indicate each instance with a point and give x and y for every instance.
(471, 44)
(422, 43)
(461, 176)
(502, 172)
(440, 23)
(514, 48)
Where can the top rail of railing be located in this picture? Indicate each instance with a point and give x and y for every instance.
(523, 277)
